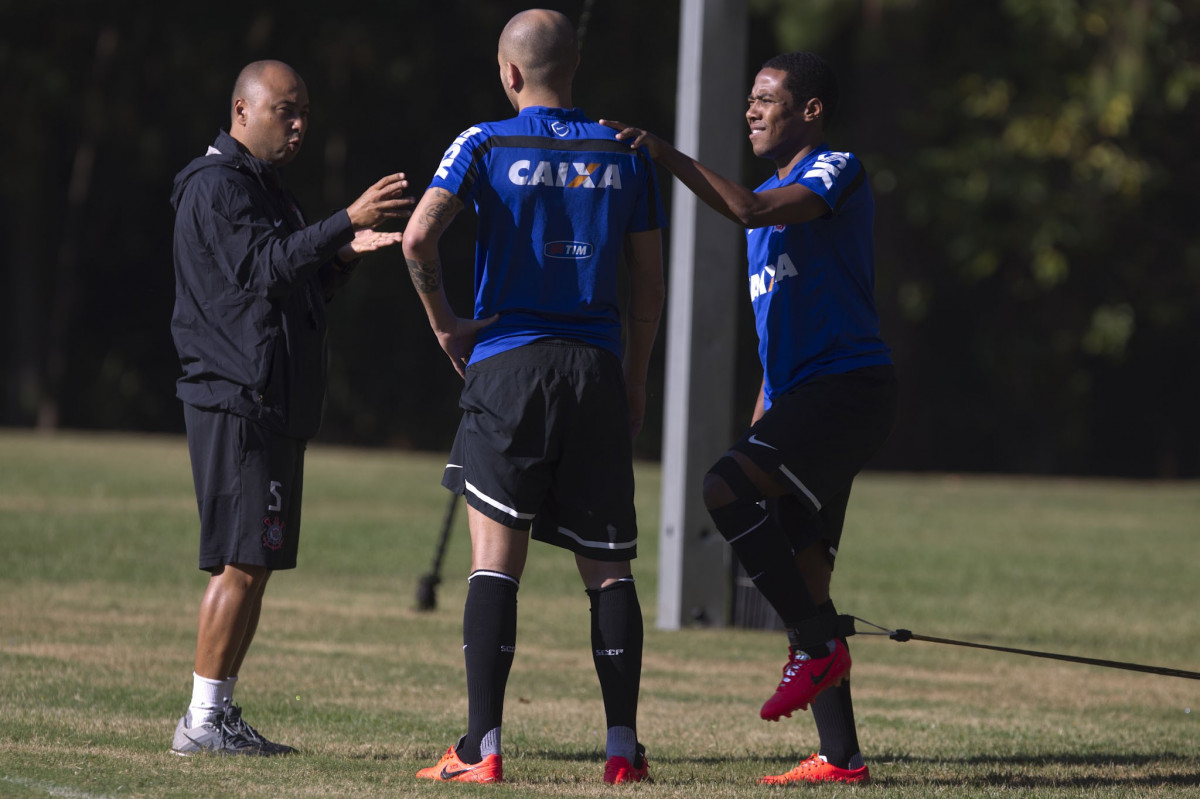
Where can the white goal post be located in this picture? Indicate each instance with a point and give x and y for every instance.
(703, 289)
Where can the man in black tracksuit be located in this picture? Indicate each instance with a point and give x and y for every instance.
(252, 278)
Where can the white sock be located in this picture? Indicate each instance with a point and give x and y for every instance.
(210, 698)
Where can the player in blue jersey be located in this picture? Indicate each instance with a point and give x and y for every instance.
(828, 397)
(552, 399)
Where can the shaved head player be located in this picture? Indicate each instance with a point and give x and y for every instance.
(551, 401)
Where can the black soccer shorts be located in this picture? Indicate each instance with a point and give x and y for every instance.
(815, 439)
(249, 482)
(544, 445)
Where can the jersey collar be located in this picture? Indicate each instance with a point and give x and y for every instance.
(804, 162)
(572, 114)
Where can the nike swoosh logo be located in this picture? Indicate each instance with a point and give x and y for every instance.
(755, 440)
(278, 222)
(816, 678)
(447, 774)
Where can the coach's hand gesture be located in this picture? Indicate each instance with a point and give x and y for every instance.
(381, 202)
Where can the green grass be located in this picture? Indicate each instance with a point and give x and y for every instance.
(99, 594)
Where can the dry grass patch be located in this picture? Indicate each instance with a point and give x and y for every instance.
(98, 603)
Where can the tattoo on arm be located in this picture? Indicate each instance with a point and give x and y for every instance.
(435, 213)
(441, 212)
(426, 275)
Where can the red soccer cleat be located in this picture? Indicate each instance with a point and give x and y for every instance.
(618, 769)
(451, 769)
(804, 678)
(817, 769)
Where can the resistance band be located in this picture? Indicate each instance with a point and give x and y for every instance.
(847, 623)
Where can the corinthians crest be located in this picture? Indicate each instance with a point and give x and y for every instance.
(272, 537)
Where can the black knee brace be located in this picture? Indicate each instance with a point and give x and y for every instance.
(730, 471)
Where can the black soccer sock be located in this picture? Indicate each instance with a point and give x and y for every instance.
(489, 642)
(833, 712)
(767, 557)
(617, 650)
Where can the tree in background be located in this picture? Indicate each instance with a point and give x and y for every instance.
(1038, 261)
(1033, 163)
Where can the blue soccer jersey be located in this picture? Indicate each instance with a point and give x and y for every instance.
(812, 285)
(555, 194)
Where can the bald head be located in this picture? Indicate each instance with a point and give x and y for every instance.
(251, 79)
(541, 43)
(269, 113)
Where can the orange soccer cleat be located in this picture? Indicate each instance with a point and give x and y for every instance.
(818, 769)
(451, 769)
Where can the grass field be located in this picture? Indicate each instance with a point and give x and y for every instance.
(99, 593)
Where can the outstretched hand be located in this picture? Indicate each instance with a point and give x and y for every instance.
(369, 240)
(459, 341)
(637, 137)
(381, 202)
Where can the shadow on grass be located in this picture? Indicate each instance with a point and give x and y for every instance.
(1028, 771)
(1054, 770)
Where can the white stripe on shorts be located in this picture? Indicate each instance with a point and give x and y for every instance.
(596, 544)
(497, 505)
(796, 480)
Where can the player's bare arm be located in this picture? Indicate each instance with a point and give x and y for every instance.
(788, 205)
(760, 404)
(426, 275)
(433, 216)
(437, 210)
(647, 291)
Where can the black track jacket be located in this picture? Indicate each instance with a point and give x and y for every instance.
(251, 281)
